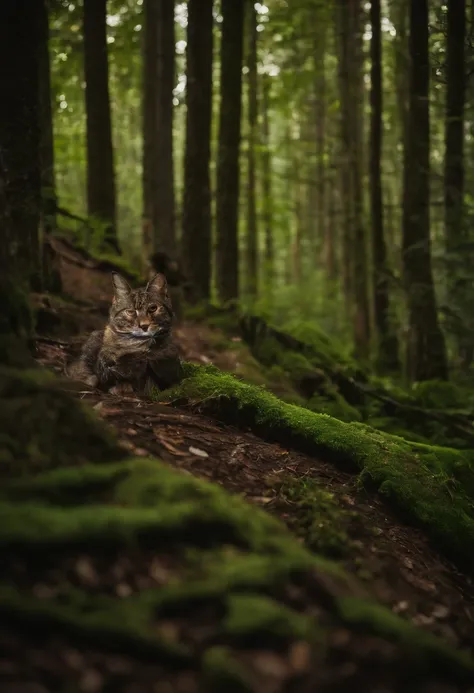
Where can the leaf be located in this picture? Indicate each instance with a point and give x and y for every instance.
(198, 452)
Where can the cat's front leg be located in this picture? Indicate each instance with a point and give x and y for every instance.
(122, 390)
(165, 372)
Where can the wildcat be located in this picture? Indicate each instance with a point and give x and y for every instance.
(135, 350)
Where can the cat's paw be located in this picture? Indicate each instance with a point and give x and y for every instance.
(122, 390)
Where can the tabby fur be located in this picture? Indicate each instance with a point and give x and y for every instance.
(135, 350)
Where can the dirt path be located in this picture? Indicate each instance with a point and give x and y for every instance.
(322, 505)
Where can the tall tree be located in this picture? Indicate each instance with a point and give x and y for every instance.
(355, 241)
(454, 137)
(426, 353)
(20, 180)
(387, 348)
(267, 183)
(320, 117)
(165, 212)
(252, 230)
(48, 183)
(101, 202)
(227, 202)
(50, 275)
(196, 240)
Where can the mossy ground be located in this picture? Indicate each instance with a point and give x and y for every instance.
(233, 578)
(430, 485)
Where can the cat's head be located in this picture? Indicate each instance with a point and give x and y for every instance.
(142, 314)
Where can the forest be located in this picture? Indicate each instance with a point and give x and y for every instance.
(236, 346)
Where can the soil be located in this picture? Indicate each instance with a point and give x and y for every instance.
(394, 561)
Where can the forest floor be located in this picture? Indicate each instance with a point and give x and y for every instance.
(323, 506)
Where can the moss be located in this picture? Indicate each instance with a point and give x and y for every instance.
(318, 517)
(223, 673)
(233, 558)
(105, 622)
(40, 429)
(433, 656)
(434, 394)
(430, 485)
(252, 618)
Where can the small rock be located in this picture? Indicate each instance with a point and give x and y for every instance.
(440, 611)
(91, 681)
(43, 591)
(123, 590)
(400, 607)
(422, 620)
(74, 660)
(269, 664)
(300, 657)
(86, 572)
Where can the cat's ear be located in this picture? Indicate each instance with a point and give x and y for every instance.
(122, 290)
(158, 285)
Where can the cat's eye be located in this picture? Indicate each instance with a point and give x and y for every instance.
(130, 313)
(153, 308)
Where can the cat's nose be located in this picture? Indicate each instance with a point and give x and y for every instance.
(144, 326)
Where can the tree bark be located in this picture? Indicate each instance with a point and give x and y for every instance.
(48, 183)
(196, 241)
(150, 117)
(355, 234)
(227, 202)
(267, 184)
(165, 211)
(360, 248)
(426, 353)
(454, 138)
(252, 227)
(321, 100)
(51, 277)
(101, 203)
(387, 347)
(342, 30)
(20, 182)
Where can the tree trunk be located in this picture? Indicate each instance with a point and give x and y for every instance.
(165, 211)
(267, 185)
(252, 229)
(426, 353)
(321, 171)
(48, 184)
(150, 132)
(227, 202)
(360, 248)
(387, 347)
(196, 241)
(454, 137)
(343, 30)
(101, 203)
(355, 242)
(51, 277)
(20, 183)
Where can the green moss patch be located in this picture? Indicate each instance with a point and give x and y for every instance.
(430, 485)
(42, 428)
(317, 517)
(240, 569)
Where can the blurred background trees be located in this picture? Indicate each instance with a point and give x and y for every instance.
(312, 162)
